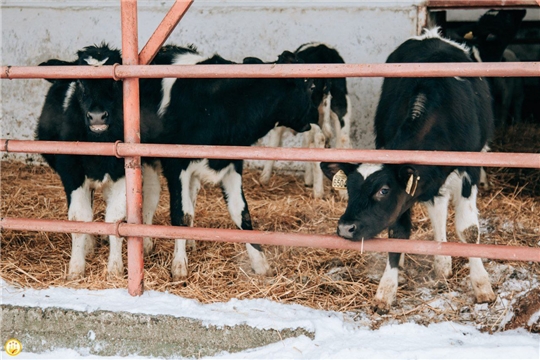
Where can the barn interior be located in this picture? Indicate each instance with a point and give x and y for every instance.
(319, 278)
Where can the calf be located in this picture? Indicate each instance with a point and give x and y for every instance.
(443, 114)
(488, 39)
(334, 106)
(224, 112)
(91, 110)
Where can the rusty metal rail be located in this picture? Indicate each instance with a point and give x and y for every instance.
(522, 69)
(119, 149)
(421, 247)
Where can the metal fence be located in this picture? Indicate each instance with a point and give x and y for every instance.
(134, 67)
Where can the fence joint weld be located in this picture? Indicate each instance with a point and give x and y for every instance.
(116, 149)
(115, 78)
(117, 228)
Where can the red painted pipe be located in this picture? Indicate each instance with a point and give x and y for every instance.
(423, 247)
(163, 31)
(502, 69)
(518, 160)
(467, 4)
(130, 56)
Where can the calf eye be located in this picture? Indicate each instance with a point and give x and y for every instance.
(383, 191)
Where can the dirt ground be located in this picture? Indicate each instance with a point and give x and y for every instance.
(318, 278)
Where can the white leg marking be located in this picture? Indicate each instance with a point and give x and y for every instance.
(386, 292)
(180, 260)
(80, 209)
(318, 176)
(258, 261)
(438, 213)
(307, 141)
(232, 186)
(276, 136)
(194, 187)
(484, 181)
(114, 194)
(467, 229)
(151, 190)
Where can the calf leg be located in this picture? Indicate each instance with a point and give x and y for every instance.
(182, 213)
(307, 142)
(468, 232)
(316, 172)
(114, 194)
(80, 209)
(238, 209)
(276, 136)
(151, 190)
(386, 292)
(438, 212)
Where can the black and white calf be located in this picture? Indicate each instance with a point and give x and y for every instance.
(334, 122)
(224, 112)
(90, 110)
(444, 114)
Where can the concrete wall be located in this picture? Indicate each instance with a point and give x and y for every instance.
(362, 31)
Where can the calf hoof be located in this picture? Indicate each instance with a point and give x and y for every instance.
(148, 246)
(115, 270)
(191, 245)
(380, 307)
(485, 296)
(76, 270)
(262, 269)
(179, 271)
(443, 267)
(75, 275)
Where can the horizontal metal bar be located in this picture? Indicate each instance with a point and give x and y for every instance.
(467, 4)
(422, 247)
(450, 158)
(522, 69)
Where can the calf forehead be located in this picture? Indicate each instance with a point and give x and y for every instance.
(368, 169)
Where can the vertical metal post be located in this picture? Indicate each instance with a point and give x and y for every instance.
(130, 56)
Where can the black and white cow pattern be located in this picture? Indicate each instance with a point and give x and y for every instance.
(444, 114)
(334, 122)
(224, 112)
(90, 110)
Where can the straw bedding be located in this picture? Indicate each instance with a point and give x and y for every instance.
(323, 279)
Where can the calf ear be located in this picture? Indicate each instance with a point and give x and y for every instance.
(331, 169)
(287, 57)
(409, 177)
(252, 60)
(56, 62)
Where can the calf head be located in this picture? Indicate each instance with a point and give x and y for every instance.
(298, 111)
(493, 33)
(99, 100)
(378, 196)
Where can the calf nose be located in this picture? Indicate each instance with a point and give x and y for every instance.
(346, 230)
(97, 118)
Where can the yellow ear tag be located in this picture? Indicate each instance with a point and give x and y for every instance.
(469, 35)
(339, 180)
(412, 184)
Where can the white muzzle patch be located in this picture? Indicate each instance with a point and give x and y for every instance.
(98, 128)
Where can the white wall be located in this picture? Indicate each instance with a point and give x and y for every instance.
(362, 31)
